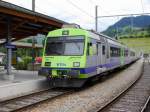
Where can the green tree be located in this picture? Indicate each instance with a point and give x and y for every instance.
(148, 30)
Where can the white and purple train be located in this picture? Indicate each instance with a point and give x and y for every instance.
(72, 56)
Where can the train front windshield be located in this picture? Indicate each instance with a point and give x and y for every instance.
(65, 46)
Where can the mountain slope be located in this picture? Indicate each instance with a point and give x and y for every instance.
(138, 44)
(123, 26)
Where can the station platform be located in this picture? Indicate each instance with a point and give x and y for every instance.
(19, 75)
(24, 82)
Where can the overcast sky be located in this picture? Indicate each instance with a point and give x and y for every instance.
(83, 11)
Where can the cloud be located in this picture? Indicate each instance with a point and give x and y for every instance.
(22, 3)
(82, 12)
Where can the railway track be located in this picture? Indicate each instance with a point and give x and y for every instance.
(135, 98)
(24, 102)
(146, 107)
(136, 94)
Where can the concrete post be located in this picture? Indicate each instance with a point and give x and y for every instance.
(9, 75)
(33, 38)
(9, 51)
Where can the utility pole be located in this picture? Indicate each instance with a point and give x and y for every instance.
(117, 29)
(96, 18)
(33, 5)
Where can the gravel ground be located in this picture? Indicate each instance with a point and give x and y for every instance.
(94, 97)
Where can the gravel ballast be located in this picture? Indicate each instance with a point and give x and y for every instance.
(95, 97)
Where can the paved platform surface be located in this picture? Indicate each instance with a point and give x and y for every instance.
(19, 76)
(24, 82)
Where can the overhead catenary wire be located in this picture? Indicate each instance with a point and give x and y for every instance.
(47, 13)
(136, 14)
(80, 9)
(68, 12)
(91, 2)
(77, 7)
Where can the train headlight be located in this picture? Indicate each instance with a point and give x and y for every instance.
(76, 64)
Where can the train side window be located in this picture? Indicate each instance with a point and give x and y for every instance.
(119, 51)
(126, 52)
(89, 45)
(114, 52)
(103, 50)
(99, 49)
(107, 51)
(132, 54)
(94, 49)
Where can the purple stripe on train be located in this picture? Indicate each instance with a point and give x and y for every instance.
(89, 69)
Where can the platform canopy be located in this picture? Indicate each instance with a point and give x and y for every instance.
(25, 22)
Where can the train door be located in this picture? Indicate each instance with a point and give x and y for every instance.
(107, 52)
(92, 54)
(99, 53)
(103, 56)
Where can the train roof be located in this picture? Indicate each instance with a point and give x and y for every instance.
(98, 36)
(104, 36)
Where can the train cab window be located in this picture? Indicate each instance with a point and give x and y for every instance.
(103, 50)
(64, 46)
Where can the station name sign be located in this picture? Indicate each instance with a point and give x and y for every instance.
(10, 46)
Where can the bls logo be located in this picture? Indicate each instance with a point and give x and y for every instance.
(61, 64)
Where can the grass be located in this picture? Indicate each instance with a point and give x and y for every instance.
(139, 44)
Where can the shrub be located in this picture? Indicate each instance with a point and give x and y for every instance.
(20, 66)
(26, 61)
(131, 36)
(23, 64)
